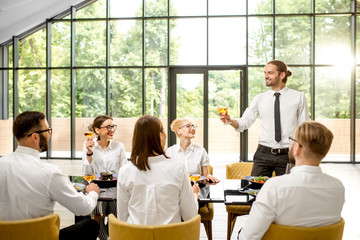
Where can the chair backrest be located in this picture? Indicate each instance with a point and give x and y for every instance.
(189, 230)
(42, 228)
(329, 232)
(238, 170)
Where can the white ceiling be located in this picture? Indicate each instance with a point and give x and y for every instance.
(18, 16)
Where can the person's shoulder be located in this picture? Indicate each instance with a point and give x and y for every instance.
(115, 143)
(333, 181)
(171, 150)
(173, 147)
(294, 92)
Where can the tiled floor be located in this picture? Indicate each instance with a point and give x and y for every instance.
(349, 174)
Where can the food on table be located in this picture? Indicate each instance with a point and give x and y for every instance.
(194, 178)
(106, 176)
(259, 179)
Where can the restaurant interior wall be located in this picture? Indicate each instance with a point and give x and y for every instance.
(113, 57)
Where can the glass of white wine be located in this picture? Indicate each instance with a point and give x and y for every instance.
(222, 107)
(87, 130)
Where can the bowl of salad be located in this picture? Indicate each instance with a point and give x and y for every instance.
(259, 179)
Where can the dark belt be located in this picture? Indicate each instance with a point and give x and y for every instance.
(275, 151)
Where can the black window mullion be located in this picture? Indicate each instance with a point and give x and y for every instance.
(353, 87)
(4, 83)
(72, 84)
(48, 80)
(15, 81)
(108, 80)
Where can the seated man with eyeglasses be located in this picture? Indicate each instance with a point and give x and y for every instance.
(306, 197)
(30, 187)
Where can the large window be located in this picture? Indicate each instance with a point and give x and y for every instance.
(116, 59)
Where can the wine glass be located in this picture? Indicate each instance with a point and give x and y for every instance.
(222, 106)
(89, 175)
(88, 132)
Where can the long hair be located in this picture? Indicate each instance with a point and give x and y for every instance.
(281, 67)
(146, 141)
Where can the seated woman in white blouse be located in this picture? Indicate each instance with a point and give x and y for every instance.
(154, 189)
(194, 156)
(104, 155)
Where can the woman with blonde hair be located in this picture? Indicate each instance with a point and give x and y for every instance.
(194, 156)
(154, 189)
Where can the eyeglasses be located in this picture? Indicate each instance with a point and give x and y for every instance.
(110, 127)
(49, 130)
(188, 126)
(292, 139)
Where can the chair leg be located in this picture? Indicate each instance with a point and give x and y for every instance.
(231, 223)
(208, 228)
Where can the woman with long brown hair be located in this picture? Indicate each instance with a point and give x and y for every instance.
(154, 189)
(104, 154)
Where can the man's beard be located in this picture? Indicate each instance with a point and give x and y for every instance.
(43, 144)
(291, 155)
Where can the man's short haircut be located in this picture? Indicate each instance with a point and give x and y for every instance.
(315, 137)
(26, 122)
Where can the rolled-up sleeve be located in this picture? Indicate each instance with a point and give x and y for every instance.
(188, 203)
(249, 116)
(62, 191)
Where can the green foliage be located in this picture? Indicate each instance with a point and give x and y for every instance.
(292, 42)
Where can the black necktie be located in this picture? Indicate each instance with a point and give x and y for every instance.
(277, 118)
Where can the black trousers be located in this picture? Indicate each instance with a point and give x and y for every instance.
(265, 163)
(87, 229)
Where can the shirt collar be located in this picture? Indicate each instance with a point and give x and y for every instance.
(28, 150)
(98, 146)
(282, 91)
(189, 148)
(306, 168)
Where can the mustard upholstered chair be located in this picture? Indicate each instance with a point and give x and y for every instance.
(43, 228)
(236, 171)
(189, 230)
(207, 213)
(329, 232)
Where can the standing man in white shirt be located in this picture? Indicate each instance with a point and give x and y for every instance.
(29, 187)
(281, 110)
(306, 197)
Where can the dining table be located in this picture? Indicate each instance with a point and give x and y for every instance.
(227, 191)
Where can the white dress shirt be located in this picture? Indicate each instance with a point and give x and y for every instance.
(108, 160)
(293, 112)
(195, 157)
(30, 187)
(306, 197)
(161, 195)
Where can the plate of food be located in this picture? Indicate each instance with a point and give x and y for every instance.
(196, 177)
(79, 186)
(259, 179)
(106, 180)
(252, 192)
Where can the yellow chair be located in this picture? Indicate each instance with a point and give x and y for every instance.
(189, 230)
(42, 228)
(207, 213)
(236, 171)
(329, 232)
